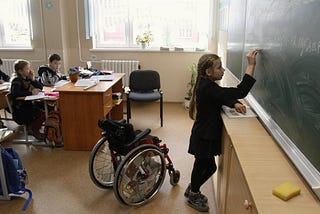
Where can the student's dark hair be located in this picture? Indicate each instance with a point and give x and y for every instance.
(1, 63)
(20, 64)
(206, 61)
(53, 57)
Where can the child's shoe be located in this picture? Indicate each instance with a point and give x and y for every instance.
(187, 192)
(195, 201)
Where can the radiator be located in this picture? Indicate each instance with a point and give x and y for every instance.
(8, 66)
(121, 66)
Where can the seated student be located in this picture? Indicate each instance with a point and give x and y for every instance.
(50, 74)
(3, 76)
(23, 84)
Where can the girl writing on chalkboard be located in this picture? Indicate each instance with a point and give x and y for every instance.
(205, 109)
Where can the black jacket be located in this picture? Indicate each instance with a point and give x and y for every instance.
(49, 77)
(24, 112)
(4, 76)
(205, 139)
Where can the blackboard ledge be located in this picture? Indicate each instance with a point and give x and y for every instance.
(307, 170)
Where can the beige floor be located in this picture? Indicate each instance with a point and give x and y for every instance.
(60, 181)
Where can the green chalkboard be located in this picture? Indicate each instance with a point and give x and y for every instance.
(288, 68)
(236, 32)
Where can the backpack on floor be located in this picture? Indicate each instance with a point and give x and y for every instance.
(52, 129)
(15, 174)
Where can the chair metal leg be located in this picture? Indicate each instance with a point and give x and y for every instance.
(25, 133)
(128, 110)
(161, 111)
(26, 139)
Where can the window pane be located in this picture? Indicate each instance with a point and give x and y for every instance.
(173, 23)
(110, 17)
(14, 24)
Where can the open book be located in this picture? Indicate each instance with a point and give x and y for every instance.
(86, 83)
(232, 113)
(61, 83)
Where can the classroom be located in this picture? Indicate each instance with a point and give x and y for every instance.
(269, 158)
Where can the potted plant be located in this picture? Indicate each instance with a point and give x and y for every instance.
(144, 39)
(74, 73)
(193, 77)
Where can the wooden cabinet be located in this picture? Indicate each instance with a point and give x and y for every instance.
(233, 192)
(223, 172)
(250, 166)
(238, 198)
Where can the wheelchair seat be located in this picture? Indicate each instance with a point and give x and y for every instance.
(121, 136)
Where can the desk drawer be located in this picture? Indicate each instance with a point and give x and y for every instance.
(107, 97)
(107, 101)
(107, 109)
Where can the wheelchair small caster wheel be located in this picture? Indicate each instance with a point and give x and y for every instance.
(174, 177)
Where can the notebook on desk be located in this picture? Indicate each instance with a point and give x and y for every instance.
(4, 86)
(86, 82)
(109, 77)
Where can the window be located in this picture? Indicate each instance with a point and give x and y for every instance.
(173, 23)
(15, 27)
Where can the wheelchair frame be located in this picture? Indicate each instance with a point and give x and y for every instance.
(135, 176)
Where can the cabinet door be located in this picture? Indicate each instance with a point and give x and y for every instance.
(239, 199)
(223, 172)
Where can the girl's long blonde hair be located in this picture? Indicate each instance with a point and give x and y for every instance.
(206, 61)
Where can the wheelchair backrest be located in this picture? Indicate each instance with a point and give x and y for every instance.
(117, 133)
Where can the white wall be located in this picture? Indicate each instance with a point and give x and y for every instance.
(61, 30)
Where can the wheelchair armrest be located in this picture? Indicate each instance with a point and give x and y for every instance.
(139, 137)
(123, 121)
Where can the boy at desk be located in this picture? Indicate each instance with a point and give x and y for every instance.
(49, 74)
(23, 84)
(3, 76)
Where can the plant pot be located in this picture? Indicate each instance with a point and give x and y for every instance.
(143, 45)
(186, 104)
(74, 77)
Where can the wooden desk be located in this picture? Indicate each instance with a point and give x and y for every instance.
(3, 102)
(81, 109)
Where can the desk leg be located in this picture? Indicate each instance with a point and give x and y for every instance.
(5, 193)
(46, 108)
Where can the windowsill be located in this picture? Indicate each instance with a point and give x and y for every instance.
(145, 50)
(16, 49)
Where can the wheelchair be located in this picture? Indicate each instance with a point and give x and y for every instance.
(133, 163)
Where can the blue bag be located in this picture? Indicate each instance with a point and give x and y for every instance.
(15, 174)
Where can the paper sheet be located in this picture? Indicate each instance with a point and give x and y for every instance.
(35, 97)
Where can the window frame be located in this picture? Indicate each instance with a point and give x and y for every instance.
(7, 46)
(130, 44)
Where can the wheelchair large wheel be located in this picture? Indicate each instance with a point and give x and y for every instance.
(140, 175)
(101, 167)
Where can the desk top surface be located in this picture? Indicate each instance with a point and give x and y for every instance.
(102, 86)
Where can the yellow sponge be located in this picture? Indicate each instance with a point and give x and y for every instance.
(286, 191)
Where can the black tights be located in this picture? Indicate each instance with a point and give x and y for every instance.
(203, 169)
